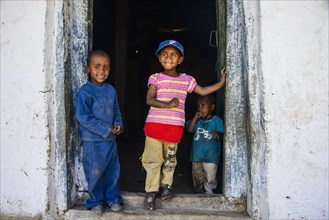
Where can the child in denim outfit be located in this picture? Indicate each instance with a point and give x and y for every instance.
(99, 120)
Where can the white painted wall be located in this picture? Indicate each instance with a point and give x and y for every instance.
(24, 134)
(295, 70)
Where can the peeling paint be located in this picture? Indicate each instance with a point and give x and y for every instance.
(235, 140)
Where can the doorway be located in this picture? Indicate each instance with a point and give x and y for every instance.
(130, 32)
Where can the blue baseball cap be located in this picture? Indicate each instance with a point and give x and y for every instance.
(172, 43)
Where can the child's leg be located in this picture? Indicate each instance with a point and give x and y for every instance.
(152, 160)
(112, 174)
(168, 169)
(198, 176)
(170, 162)
(94, 168)
(211, 177)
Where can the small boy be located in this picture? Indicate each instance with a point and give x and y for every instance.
(207, 131)
(99, 120)
(166, 96)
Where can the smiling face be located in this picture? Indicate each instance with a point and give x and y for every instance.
(98, 68)
(169, 58)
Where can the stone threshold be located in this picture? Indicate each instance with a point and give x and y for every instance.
(181, 206)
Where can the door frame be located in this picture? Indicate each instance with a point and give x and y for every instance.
(236, 161)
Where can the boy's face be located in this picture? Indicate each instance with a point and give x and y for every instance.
(206, 108)
(99, 69)
(170, 57)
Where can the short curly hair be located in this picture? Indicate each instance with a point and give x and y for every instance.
(210, 99)
(97, 53)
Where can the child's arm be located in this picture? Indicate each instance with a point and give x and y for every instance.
(210, 89)
(190, 126)
(218, 131)
(118, 124)
(218, 135)
(152, 101)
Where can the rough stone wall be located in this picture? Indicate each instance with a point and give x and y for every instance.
(56, 56)
(67, 45)
(71, 37)
(235, 140)
(278, 44)
(81, 45)
(257, 182)
(277, 108)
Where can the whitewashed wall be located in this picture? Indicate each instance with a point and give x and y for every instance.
(24, 133)
(294, 39)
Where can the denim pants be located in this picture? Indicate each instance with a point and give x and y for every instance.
(159, 161)
(102, 170)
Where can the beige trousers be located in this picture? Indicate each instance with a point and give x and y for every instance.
(204, 176)
(159, 161)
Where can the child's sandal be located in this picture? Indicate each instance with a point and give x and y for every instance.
(166, 192)
(149, 202)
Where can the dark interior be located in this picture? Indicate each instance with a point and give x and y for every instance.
(148, 23)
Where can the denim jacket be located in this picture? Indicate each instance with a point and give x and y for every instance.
(97, 112)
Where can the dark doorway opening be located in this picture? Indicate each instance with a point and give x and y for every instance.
(144, 24)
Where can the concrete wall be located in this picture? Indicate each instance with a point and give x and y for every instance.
(286, 66)
(294, 39)
(43, 50)
(24, 133)
(277, 105)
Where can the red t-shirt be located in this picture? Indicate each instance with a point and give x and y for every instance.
(169, 133)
